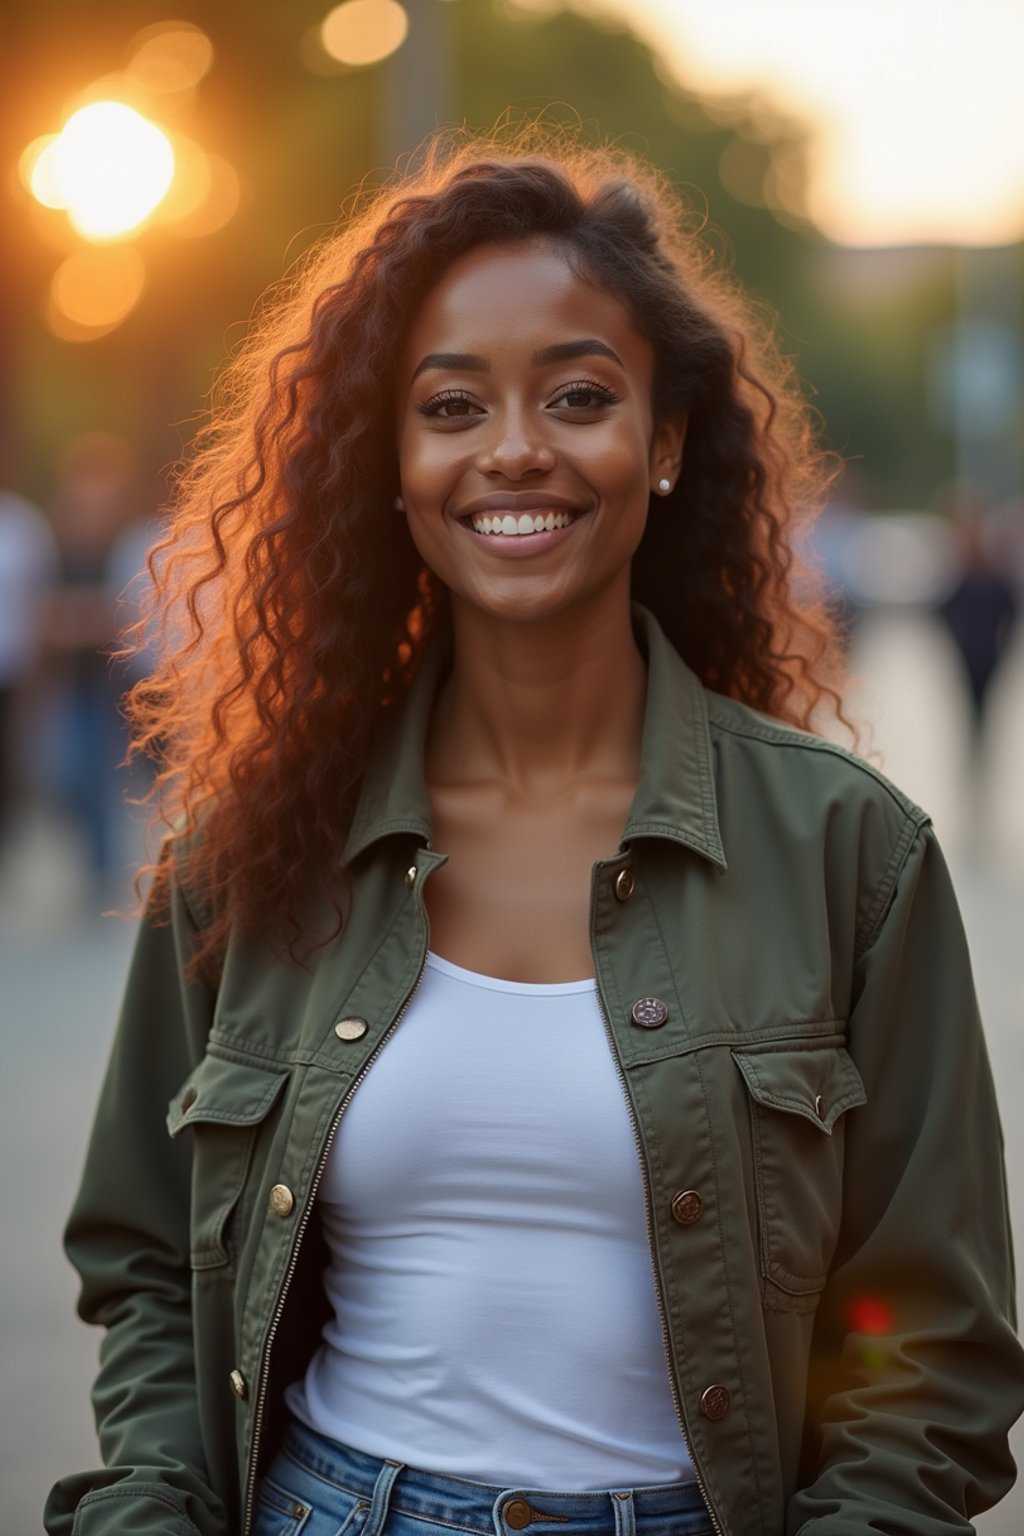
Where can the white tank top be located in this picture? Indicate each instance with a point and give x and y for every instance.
(494, 1312)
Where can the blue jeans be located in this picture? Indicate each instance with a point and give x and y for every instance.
(316, 1487)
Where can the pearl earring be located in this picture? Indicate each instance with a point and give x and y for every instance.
(664, 486)
(399, 504)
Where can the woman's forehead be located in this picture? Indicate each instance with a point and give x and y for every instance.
(512, 295)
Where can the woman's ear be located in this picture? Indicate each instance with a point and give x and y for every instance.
(667, 452)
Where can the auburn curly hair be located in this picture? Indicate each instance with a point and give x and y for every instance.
(290, 604)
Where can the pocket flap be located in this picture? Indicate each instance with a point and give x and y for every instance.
(223, 1092)
(819, 1083)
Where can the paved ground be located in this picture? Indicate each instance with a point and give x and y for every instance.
(63, 968)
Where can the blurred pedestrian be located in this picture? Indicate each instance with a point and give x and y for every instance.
(981, 609)
(96, 501)
(28, 559)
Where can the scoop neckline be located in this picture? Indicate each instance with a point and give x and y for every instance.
(437, 962)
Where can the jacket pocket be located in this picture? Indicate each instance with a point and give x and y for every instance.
(798, 1098)
(223, 1103)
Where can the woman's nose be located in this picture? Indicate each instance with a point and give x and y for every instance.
(514, 445)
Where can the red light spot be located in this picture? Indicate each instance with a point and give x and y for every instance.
(870, 1315)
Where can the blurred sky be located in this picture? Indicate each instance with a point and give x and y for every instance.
(917, 104)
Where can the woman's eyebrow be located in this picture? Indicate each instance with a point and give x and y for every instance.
(567, 351)
(560, 352)
(462, 361)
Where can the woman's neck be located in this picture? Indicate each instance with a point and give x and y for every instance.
(538, 705)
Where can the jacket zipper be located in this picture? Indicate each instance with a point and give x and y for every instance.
(264, 1376)
(659, 1298)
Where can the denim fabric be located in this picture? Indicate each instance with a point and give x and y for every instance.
(317, 1487)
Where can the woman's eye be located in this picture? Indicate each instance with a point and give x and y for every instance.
(449, 405)
(585, 395)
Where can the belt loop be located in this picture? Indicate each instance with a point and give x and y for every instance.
(381, 1497)
(625, 1512)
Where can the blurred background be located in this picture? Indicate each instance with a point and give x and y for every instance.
(859, 165)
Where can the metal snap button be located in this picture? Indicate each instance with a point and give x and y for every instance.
(281, 1200)
(410, 875)
(351, 1029)
(625, 884)
(820, 1107)
(238, 1385)
(687, 1207)
(649, 1012)
(714, 1403)
(518, 1514)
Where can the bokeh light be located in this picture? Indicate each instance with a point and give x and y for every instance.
(205, 195)
(93, 291)
(38, 171)
(871, 1315)
(109, 167)
(170, 57)
(190, 187)
(116, 85)
(364, 31)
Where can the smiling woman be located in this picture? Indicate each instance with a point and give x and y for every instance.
(549, 443)
(433, 349)
(531, 1101)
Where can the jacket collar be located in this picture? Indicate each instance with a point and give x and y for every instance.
(674, 798)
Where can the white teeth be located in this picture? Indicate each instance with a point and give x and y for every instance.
(526, 522)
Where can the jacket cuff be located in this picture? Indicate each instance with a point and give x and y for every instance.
(138, 1510)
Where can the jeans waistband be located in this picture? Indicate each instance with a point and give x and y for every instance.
(486, 1507)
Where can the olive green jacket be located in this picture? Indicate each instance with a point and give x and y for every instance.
(786, 988)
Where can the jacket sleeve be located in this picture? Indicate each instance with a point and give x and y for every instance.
(128, 1238)
(917, 1374)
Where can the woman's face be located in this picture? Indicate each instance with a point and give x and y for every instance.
(525, 392)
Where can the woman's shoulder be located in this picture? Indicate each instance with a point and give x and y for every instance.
(798, 761)
(794, 796)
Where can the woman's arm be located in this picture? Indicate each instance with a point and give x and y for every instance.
(917, 1374)
(128, 1238)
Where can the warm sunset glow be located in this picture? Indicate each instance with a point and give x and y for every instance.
(109, 167)
(364, 31)
(93, 291)
(914, 105)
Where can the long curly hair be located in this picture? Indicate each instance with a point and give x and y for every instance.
(290, 605)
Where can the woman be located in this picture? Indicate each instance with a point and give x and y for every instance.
(567, 1052)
